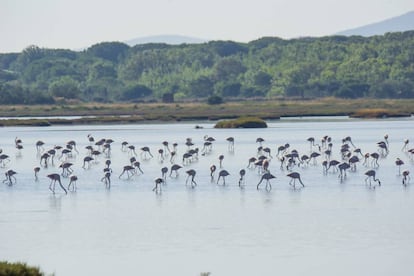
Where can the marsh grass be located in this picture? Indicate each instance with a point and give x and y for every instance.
(266, 109)
(377, 113)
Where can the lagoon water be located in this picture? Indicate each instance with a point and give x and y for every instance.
(330, 227)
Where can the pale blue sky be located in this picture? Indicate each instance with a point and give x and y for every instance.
(74, 24)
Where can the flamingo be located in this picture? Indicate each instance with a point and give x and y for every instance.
(242, 175)
(124, 145)
(221, 157)
(260, 140)
(191, 173)
(332, 163)
(313, 156)
(10, 177)
(173, 155)
(207, 147)
(267, 176)
(294, 176)
(268, 151)
(161, 155)
(311, 140)
(137, 166)
(175, 168)
(36, 171)
(87, 159)
(223, 174)
(3, 159)
(146, 152)
(18, 143)
(130, 170)
(231, 143)
(90, 138)
(107, 179)
(371, 174)
(72, 181)
(158, 183)
(252, 160)
(131, 150)
(164, 171)
(406, 177)
(212, 170)
(72, 143)
(52, 153)
(54, 177)
(108, 163)
(44, 158)
(39, 146)
(399, 163)
(66, 168)
(348, 139)
(352, 162)
(166, 147)
(342, 169)
(406, 142)
(383, 147)
(107, 149)
(374, 161)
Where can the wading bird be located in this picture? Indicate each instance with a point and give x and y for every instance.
(212, 171)
(175, 168)
(295, 176)
(54, 177)
(158, 184)
(371, 175)
(10, 178)
(242, 175)
(399, 163)
(36, 172)
(191, 173)
(406, 177)
(130, 171)
(267, 176)
(72, 181)
(223, 174)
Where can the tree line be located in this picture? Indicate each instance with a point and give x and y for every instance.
(270, 67)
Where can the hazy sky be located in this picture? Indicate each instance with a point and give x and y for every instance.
(74, 24)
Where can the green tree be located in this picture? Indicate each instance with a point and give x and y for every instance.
(201, 87)
(228, 68)
(214, 99)
(65, 87)
(112, 51)
(135, 92)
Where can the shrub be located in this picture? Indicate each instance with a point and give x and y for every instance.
(215, 100)
(16, 269)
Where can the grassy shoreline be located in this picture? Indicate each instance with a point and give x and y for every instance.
(146, 112)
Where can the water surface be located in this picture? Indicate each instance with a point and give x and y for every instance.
(329, 227)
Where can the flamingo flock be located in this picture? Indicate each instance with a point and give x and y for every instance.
(285, 165)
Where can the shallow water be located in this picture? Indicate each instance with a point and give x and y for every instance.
(329, 227)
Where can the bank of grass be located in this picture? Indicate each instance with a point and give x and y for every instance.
(18, 269)
(242, 122)
(141, 112)
(377, 113)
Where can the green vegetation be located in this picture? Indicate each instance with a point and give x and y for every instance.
(244, 122)
(267, 68)
(377, 113)
(18, 269)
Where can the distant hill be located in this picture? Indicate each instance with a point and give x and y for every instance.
(168, 39)
(400, 23)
